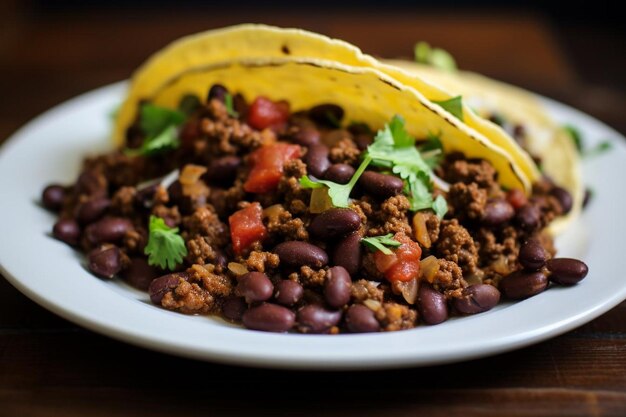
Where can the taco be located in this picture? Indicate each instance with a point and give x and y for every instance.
(308, 194)
(523, 116)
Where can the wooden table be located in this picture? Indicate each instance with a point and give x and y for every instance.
(50, 367)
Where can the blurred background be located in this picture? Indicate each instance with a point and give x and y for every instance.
(53, 50)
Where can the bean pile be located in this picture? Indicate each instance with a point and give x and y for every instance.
(257, 248)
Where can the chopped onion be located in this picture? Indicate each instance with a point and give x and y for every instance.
(273, 211)
(429, 267)
(191, 174)
(440, 183)
(373, 305)
(408, 289)
(237, 268)
(501, 265)
(420, 231)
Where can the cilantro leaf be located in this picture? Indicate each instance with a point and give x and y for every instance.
(440, 206)
(155, 119)
(160, 127)
(435, 57)
(599, 149)
(339, 193)
(230, 106)
(432, 150)
(165, 248)
(381, 243)
(575, 135)
(454, 106)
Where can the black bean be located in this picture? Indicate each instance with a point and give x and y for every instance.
(67, 230)
(497, 211)
(477, 299)
(255, 286)
(140, 274)
(53, 196)
(348, 253)
(339, 173)
(327, 115)
(296, 254)
(567, 271)
(105, 261)
(316, 160)
(431, 304)
(532, 256)
(337, 287)
(360, 319)
(91, 210)
(233, 308)
(218, 92)
(160, 286)
(288, 292)
(220, 258)
(522, 284)
(380, 185)
(107, 230)
(528, 217)
(334, 223)
(269, 318)
(564, 198)
(144, 196)
(363, 140)
(314, 318)
(222, 171)
(306, 136)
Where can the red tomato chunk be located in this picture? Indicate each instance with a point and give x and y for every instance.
(267, 166)
(516, 198)
(246, 227)
(265, 113)
(404, 263)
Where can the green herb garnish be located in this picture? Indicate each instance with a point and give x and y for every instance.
(165, 248)
(339, 193)
(454, 106)
(435, 57)
(575, 135)
(431, 150)
(395, 149)
(599, 149)
(230, 106)
(381, 243)
(189, 104)
(160, 127)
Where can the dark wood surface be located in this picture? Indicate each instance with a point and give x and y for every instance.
(50, 367)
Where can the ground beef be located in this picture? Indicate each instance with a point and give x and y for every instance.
(369, 269)
(392, 217)
(199, 251)
(123, 201)
(294, 197)
(170, 215)
(135, 240)
(493, 245)
(309, 277)
(224, 201)
(345, 151)
(161, 196)
(283, 226)
(262, 261)
(205, 222)
(467, 201)
(456, 244)
(393, 316)
(432, 225)
(188, 298)
(362, 290)
(449, 279)
(229, 136)
(472, 171)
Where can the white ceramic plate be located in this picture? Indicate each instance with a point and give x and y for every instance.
(50, 148)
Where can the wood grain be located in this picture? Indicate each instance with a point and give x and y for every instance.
(50, 367)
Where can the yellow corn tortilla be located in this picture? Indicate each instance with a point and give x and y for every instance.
(254, 42)
(365, 94)
(544, 137)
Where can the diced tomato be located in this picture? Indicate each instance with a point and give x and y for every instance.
(267, 166)
(267, 113)
(516, 197)
(246, 227)
(404, 263)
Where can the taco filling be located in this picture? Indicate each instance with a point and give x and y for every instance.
(303, 220)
